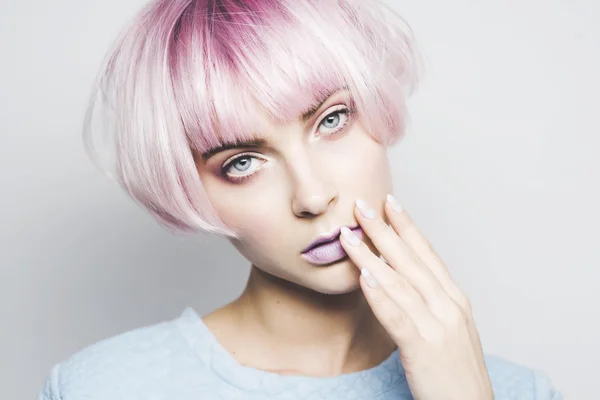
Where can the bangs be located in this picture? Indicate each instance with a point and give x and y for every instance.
(230, 61)
(190, 75)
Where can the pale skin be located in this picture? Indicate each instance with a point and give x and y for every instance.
(300, 319)
(420, 306)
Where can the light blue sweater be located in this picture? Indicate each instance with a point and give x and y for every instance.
(182, 360)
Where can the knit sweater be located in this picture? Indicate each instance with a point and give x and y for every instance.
(180, 359)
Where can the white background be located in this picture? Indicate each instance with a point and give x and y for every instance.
(500, 169)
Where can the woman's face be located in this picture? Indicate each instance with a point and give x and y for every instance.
(300, 182)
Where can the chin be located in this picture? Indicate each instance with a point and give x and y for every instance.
(339, 278)
(335, 279)
(339, 289)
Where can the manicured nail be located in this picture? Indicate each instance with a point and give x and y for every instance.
(350, 236)
(365, 210)
(394, 203)
(370, 279)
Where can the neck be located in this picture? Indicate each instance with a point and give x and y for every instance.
(295, 330)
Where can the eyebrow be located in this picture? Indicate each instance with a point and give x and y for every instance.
(256, 143)
(306, 115)
(252, 143)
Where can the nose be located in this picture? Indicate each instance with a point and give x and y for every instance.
(313, 196)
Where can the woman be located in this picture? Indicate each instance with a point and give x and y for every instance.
(267, 122)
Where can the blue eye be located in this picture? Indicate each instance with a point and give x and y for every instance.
(243, 162)
(335, 121)
(332, 120)
(236, 169)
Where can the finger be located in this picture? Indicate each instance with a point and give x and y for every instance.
(395, 320)
(400, 256)
(406, 229)
(384, 283)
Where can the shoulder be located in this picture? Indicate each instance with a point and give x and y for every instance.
(514, 381)
(124, 366)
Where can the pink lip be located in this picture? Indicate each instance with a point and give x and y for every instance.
(326, 237)
(326, 252)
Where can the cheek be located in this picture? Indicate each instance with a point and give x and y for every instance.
(374, 167)
(258, 230)
(249, 214)
(261, 237)
(363, 165)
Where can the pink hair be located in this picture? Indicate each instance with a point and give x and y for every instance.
(189, 74)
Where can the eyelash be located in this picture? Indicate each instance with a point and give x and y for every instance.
(345, 110)
(238, 179)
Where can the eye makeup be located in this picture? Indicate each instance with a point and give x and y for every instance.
(340, 116)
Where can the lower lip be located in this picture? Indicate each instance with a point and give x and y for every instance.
(330, 252)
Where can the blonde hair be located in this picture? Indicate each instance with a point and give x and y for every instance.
(187, 75)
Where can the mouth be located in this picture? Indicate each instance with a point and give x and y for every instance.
(326, 248)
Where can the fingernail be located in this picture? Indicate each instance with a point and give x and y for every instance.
(350, 236)
(370, 279)
(365, 210)
(394, 203)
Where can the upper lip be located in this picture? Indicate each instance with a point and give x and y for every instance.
(326, 237)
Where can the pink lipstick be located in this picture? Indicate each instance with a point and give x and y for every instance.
(327, 249)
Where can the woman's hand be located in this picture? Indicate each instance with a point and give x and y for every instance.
(420, 306)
